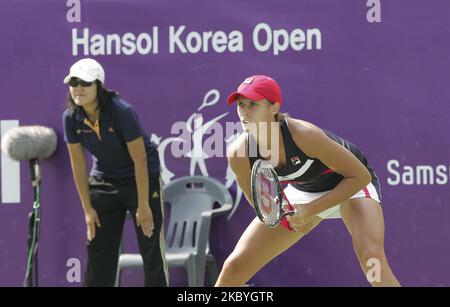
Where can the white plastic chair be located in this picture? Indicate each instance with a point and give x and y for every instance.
(191, 201)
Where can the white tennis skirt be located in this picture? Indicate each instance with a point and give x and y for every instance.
(298, 197)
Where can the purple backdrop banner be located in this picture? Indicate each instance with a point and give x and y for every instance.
(373, 72)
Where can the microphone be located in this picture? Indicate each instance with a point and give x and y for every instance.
(29, 143)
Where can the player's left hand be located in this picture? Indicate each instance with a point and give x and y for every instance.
(144, 219)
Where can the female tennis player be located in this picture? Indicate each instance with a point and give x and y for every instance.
(328, 177)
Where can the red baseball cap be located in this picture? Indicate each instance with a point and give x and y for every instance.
(257, 87)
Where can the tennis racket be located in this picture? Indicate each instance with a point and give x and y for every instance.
(269, 201)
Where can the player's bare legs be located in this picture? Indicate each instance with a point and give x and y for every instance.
(256, 247)
(364, 220)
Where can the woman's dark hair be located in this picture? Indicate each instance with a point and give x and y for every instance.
(280, 117)
(104, 97)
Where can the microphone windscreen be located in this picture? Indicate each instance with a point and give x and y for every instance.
(29, 142)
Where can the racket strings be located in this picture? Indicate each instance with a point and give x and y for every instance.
(267, 191)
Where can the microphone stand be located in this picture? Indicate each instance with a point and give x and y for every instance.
(34, 219)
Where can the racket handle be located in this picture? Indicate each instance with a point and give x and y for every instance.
(287, 204)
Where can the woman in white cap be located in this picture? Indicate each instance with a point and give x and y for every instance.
(328, 177)
(125, 175)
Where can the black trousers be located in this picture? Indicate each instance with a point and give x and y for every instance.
(112, 198)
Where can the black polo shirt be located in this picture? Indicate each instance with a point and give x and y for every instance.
(106, 139)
